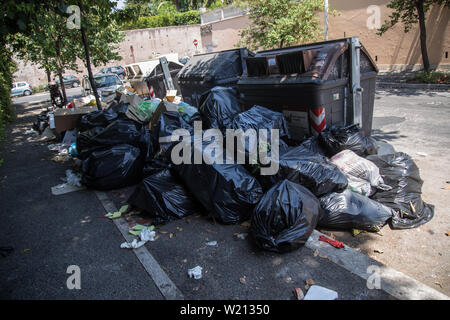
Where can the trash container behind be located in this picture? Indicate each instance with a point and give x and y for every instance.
(155, 80)
(205, 71)
(310, 84)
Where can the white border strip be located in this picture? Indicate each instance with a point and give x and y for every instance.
(162, 281)
(393, 282)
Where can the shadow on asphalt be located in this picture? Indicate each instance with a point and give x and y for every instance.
(405, 92)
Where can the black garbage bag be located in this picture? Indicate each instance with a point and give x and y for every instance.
(285, 217)
(84, 142)
(350, 210)
(311, 170)
(336, 139)
(164, 198)
(218, 107)
(101, 118)
(261, 118)
(312, 144)
(120, 131)
(112, 168)
(400, 172)
(167, 124)
(147, 144)
(227, 191)
(154, 166)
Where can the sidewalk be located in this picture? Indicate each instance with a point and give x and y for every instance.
(49, 233)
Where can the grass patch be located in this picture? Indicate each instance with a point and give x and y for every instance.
(434, 77)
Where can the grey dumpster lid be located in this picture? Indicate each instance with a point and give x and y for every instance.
(321, 57)
(216, 65)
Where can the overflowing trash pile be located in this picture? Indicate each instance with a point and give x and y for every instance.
(337, 180)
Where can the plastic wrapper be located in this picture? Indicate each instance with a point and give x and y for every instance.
(337, 139)
(227, 191)
(308, 169)
(163, 198)
(349, 210)
(189, 113)
(112, 168)
(402, 174)
(358, 170)
(285, 217)
(218, 108)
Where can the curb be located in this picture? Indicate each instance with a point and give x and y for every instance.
(420, 86)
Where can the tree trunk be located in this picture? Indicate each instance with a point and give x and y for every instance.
(88, 63)
(49, 77)
(423, 35)
(60, 76)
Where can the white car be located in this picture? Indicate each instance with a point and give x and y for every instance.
(21, 88)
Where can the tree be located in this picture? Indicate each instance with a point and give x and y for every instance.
(279, 23)
(99, 36)
(409, 12)
(48, 43)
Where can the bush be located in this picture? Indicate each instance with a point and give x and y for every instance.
(7, 68)
(432, 77)
(164, 20)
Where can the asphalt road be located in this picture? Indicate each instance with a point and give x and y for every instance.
(45, 96)
(49, 233)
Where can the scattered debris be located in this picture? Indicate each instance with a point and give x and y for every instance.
(438, 284)
(211, 243)
(117, 214)
(245, 224)
(298, 293)
(309, 282)
(26, 251)
(423, 154)
(378, 251)
(195, 273)
(243, 280)
(320, 293)
(240, 236)
(334, 243)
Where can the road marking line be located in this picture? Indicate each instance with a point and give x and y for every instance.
(393, 282)
(162, 281)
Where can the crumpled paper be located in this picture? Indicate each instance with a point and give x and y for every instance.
(145, 236)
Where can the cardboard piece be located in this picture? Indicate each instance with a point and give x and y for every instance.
(67, 119)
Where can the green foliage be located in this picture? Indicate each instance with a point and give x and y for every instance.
(7, 68)
(280, 23)
(434, 77)
(164, 20)
(405, 11)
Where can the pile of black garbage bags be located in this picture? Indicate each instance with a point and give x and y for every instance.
(338, 180)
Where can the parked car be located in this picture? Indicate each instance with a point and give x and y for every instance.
(119, 70)
(104, 82)
(21, 88)
(69, 81)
